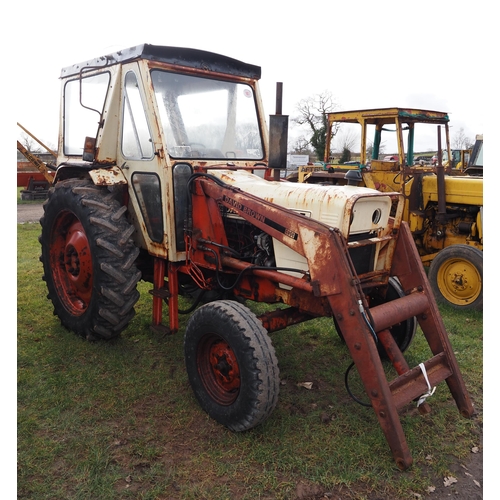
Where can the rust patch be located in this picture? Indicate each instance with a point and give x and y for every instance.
(107, 176)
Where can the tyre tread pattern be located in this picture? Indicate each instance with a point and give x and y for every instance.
(258, 355)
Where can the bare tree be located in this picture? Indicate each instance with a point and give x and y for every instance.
(312, 112)
(301, 146)
(460, 140)
(345, 142)
(369, 150)
(30, 144)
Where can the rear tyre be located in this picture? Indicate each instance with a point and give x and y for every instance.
(231, 365)
(456, 277)
(88, 259)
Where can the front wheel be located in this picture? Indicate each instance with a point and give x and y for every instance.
(231, 364)
(456, 277)
(404, 332)
(88, 259)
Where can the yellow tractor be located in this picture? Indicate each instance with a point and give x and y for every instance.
(444, 209)
(466, 161)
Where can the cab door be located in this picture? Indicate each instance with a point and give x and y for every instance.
(141, 157)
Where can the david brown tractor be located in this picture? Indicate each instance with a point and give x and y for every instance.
(165, 174)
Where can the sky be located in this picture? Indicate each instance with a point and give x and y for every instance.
(366, 54)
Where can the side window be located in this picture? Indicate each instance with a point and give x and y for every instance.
(83, 103)
(182, 173)
(147, 190)
(136, 137)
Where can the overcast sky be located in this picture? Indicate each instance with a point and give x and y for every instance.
(367, 54)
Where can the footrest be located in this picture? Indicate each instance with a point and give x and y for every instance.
(412, 384)
(161, 329)
(162, 293)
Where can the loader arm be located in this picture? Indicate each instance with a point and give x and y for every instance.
(332, 277)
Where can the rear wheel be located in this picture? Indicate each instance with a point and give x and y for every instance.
(231, 364)
(456, 277)
(88, 259)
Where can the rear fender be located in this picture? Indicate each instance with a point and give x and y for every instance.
(100, 176)
(107, 176)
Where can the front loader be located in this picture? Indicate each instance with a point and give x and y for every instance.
(165, 174)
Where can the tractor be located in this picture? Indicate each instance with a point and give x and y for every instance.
(443, 205)
(167, 173)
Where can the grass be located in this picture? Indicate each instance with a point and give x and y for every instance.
(118, 420)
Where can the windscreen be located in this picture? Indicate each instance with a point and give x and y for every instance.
(205, 118)
(478, 161)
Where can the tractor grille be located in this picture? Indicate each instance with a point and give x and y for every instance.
(363, 256)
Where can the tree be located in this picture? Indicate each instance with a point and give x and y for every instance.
(312, 112)
(345, 156)
(346, 141)
(369, 150)
(301, 146)
(30, 144)
(461, 141)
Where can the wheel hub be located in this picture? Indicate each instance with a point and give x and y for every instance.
(77, 260)
(72, 264)
(461, 282)
(225, 366)
(72, 261)
(219, 369)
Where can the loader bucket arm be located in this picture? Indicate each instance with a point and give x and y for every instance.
(362, 326)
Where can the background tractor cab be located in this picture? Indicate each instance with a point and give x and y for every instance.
(444, 212)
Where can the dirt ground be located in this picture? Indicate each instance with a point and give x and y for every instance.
(29, 212)
(465, 483)
(469, 480)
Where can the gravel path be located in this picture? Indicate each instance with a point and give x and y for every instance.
(30, 212)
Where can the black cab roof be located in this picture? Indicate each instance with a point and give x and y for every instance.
(181, 56)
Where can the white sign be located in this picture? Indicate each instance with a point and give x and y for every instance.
(293, 162)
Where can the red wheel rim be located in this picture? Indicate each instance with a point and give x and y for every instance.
(219, 369)
(71, 263)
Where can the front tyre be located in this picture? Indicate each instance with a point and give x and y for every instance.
(404, 332)
(88, 259)
(456, 277)
(231, 365)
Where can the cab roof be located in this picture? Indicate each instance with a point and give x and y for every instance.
(187, 57)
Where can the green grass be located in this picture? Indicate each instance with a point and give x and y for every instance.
(118, 420)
